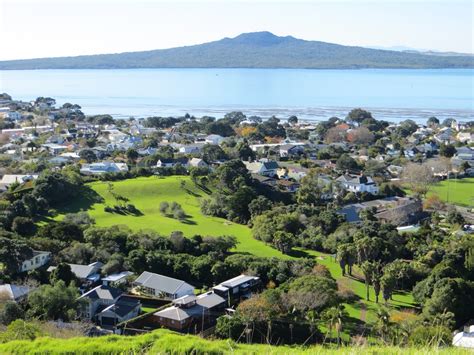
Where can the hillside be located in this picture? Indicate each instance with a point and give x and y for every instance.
(146, 194)
(251, 50)
(167, 342)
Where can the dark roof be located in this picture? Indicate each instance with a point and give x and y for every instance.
(103, 292)
(121, 308)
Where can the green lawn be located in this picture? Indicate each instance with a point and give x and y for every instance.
(146, 194)
(456, 191)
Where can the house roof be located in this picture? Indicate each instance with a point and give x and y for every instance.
(121, 308)
(13, 292)
(356, 179)
(238, 280)
(160, 282)
(174, 313)
(85, 271)
(209, 300)
(116, 277)
(103, 292)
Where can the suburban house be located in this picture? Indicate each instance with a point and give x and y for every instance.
(10, 292)
(191, 148)
(9, 179)
(116, 279)
(162, 286)
(87, 274)
(239, 287)
(103, 168)
(265, 168)
(171, 163)
(395, 210)
(188, 310)
(107, 307)
(291, 150)
(358, 183)
(39, 259)
(121, 311)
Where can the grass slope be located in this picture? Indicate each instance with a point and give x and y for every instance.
(167, 342)
(146, 193)
(456, 191)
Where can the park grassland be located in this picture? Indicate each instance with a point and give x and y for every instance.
(146, 194)
(456, 191)
(167, 342)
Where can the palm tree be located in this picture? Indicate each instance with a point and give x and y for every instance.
(367, 269)
(335, 316)
(312, 318)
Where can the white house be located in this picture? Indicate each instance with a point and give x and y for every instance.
(358, 183)
(102, 168)
(9, 179)
(170, 163)
(162, 286)
(266, 168)
(39, 259)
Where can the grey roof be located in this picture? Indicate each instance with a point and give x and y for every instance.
(238, 280)
(160, 282)
(209, 300)
(175, 313)
(116, 277)
(121, 308)
(103, 292)
(13, 292)
(85, 271)
(184, 300)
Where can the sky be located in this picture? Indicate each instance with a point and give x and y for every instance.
(51, 28)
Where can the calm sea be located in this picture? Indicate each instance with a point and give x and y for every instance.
(393, 94)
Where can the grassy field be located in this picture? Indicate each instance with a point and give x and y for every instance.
(146, 194)
(167, 342)
(456, 191)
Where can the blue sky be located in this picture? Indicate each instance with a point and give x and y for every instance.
(47, 28)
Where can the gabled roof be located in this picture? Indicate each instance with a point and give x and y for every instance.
(160, 282)
(121, 308)
(103, 292)
(209, 300)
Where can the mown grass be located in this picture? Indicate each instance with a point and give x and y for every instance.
(455, 191)
(167, 342)
(146, 194)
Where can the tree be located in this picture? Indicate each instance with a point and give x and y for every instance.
(132, 155)
(292, 120)
(335, 135)
(383, 323)
(54, 302)
(387, 282)
(358, 115)
(12, 254)
(367, 269)
(432, 122)
(10, 312)
(62, 272)
(312, 189)
(335, 316)
(259, 205)
(361, 135)
(448, 122)
(346, 255)
(164, 206)
(447, 150)
(244, 151)
(283, 241)
(88, 155)
(419, 178)
(346, 162)
(21, 330)
(23, 226)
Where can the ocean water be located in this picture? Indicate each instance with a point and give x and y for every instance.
(392, 94)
